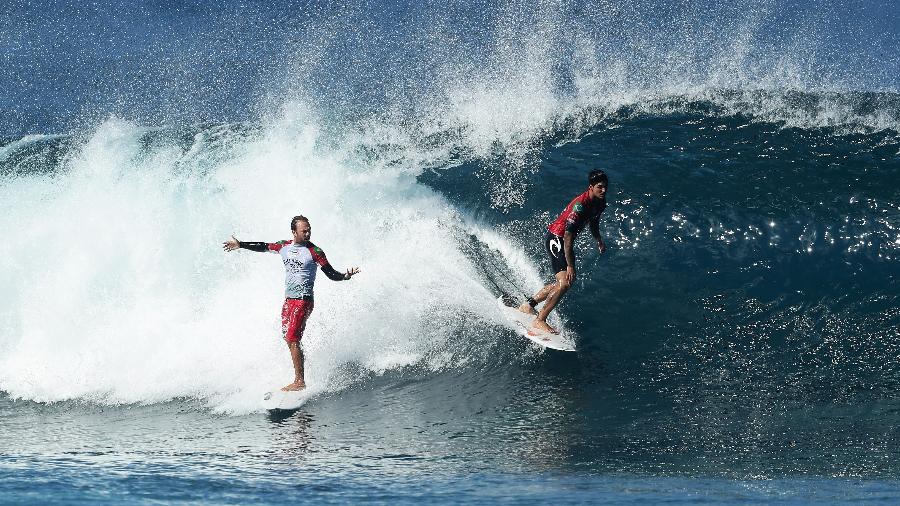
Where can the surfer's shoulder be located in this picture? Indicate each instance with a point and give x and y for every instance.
(312, 246)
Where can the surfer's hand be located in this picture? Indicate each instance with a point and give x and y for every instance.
(351, 272)
(601, 246)
(570, 274)
(231, 244)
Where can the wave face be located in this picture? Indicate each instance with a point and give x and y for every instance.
(753, 227)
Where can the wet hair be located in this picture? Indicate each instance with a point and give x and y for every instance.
(598, 176)
(295, 219)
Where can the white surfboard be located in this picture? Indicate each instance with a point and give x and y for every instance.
(279, 400)
(521, 323)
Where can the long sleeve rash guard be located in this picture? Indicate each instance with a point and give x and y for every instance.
(300, 262)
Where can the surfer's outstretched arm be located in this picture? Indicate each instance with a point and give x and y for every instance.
(320, 258)
(262, 247)
(334, 275)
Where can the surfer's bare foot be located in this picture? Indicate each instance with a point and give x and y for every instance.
(526, 308)
(543, 326)
(293, 387)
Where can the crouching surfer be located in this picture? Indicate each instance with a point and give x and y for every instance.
(583, 210)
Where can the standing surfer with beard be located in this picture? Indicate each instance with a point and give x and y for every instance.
(300, 258)
(584, 209)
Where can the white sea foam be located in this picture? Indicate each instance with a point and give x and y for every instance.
(116, 289)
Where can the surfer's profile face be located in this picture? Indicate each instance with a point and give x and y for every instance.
(597, 190)
(302, 231)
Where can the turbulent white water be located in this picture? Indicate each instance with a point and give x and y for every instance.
(116, 289)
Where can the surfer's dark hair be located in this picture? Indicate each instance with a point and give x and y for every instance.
(295, 219)
(598, 176)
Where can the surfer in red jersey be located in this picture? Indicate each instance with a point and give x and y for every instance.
(583, 210)
(300, 258)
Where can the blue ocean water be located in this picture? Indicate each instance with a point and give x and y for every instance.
(737, 343)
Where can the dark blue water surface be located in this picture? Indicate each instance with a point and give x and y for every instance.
(738, 342)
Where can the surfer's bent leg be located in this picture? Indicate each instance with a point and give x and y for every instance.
(553, 246)
(294, 314)
(529, 305)
(562, 286)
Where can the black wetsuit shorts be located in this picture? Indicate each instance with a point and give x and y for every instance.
(553, 244)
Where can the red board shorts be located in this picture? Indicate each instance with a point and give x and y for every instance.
(294, 314)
